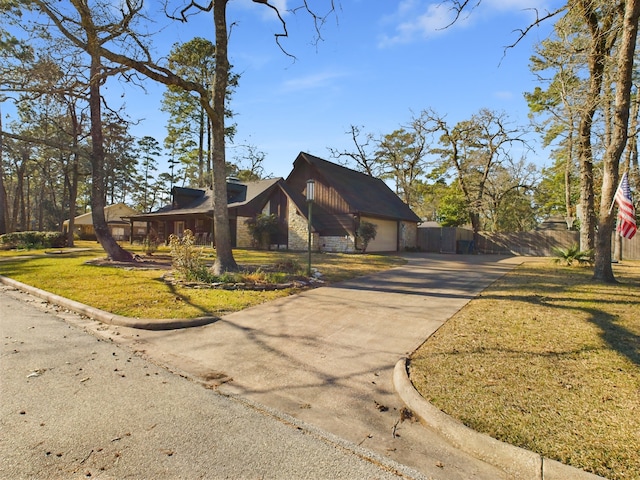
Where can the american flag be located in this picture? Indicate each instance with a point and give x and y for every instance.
(626, 212)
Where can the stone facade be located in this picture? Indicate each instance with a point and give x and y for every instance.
(338, 244)
(298, 238)
(243, 237)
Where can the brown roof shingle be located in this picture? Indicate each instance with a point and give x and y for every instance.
(365, 194)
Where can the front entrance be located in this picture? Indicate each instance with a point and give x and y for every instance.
(178, 228)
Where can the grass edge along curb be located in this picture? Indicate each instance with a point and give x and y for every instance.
(515, 461)
(107, 317)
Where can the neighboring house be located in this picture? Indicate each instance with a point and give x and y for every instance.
(117, 217)
(343, 199)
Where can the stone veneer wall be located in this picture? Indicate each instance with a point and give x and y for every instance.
(408, 235)
(299, 232)
(243, 237)
(341, 244)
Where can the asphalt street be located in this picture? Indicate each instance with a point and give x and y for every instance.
(78, 405)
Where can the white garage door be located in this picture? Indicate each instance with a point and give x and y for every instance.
(386, 237)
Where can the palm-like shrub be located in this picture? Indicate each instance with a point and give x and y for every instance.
(572, 255)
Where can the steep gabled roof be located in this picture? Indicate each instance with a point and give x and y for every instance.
(297, 198)
(365, 195)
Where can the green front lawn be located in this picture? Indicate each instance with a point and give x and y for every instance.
(143, 294)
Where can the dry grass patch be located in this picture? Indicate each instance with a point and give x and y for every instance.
(548, 360)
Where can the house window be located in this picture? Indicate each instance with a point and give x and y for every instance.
(179, 228)
(118, 233)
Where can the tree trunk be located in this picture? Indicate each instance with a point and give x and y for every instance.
(475, 226)
(19, 209)
(39, 202)
(611, 161)
(596, 58)
(73, 196)
(224, 256)
(201, 133)
(74, 174)
(603, 270)
(209, 153)
(3, 191)
(111, 247)
(568, 167)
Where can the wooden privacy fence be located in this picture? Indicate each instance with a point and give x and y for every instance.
(538, 243)
(444, 240)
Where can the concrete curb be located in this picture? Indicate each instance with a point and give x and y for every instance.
(515, 461)
(106, 317)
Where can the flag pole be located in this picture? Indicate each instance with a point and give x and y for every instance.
(616, 192)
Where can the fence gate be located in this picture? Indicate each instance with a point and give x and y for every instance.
(448, 240)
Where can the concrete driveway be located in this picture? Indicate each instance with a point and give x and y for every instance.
(326, 357)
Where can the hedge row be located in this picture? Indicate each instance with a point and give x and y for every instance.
(31, 240)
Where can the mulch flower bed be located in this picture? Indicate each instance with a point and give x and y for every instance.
(163, 262)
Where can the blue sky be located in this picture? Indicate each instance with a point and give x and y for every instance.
(378, 62)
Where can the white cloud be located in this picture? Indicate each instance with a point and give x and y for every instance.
(415, 19)
(514, 5)
(281, 5)
(418, 19)
(264, 11)
(312, 81)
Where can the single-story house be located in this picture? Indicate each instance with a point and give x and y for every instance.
(117, 217)
(192, 209)
(342, 199)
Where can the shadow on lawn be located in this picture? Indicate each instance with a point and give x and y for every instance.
(183, 298)
(617, 337)
(553, 293)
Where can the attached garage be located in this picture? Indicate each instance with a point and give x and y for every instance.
(386, 237)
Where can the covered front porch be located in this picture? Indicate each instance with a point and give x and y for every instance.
(160, 228)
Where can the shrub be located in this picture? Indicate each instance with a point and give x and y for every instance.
(573, 254)
(187, 260)
(149, 244)
(367, 231)
(261, 228)
(31, 240)
(289, 266)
